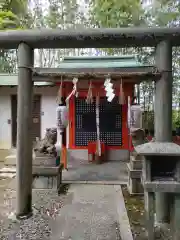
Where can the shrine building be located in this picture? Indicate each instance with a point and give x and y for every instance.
(90, 73)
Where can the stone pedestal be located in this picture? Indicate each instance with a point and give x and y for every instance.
(39, 160)
(161, 175)
(134, 167)
(44, 183)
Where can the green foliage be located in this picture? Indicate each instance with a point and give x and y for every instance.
(8, 20)
(115, 13)
(12, 14)
(125, 13)
(175, 118)
(17, 7)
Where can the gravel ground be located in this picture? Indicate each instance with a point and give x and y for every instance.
(135, 209)
(46, 207)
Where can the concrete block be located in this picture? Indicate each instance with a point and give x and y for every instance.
(134, 185)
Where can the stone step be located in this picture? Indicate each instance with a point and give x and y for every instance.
(135, 164)
(7, 172)
(37, 170)
(134, 174)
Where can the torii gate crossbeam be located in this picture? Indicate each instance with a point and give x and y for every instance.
(89, 38)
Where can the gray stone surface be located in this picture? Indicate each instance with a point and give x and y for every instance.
(82, 170)
(158, 148)
(40, 160)
(162, 186)
(85, 171)
(92, 215)
(112, 171)
(85, 212)
(113, 154)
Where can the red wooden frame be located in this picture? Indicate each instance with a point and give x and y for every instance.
(128, 91)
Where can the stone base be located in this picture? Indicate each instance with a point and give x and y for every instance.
(10, 161)
(134, 181)
(99, 159)
(45, 183)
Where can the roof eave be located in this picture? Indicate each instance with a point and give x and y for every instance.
(94, 71)
(135, 77)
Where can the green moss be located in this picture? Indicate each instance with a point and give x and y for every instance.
(135, 209)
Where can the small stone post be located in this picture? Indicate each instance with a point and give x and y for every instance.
(163, 115)
(24, 130)
(134, 168)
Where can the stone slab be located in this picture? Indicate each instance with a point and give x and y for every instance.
(7, 175)
(41, 160)
(46, 171)
(162, 186)
(90, 216)
(8, 170)
(44, 161)
(158, 148)
(104, 182)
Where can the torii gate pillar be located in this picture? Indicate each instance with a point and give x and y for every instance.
(24, 133)
(163, 115)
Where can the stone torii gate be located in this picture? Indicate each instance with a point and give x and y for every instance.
(27, 40)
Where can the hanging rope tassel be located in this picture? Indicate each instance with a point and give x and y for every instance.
(121, 94)
(59, 95)
(97, 125)
(74, 91)
(89, 98)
